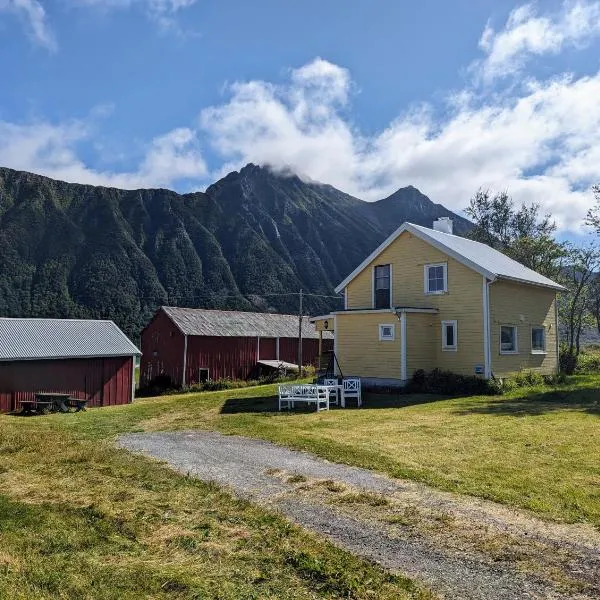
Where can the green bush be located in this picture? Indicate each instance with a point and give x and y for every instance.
(450, 384)
(589, 360)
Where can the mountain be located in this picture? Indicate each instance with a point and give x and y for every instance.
(249, 242)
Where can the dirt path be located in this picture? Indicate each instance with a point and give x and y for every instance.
(458, 546)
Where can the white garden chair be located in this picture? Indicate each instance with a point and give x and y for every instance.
(332, 393)
(351, 390)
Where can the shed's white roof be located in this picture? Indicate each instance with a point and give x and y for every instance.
(479, 257)
(31, 339)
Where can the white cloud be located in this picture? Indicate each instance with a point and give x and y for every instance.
(33, 14)
(527, 34)
(541, 144)
(51, 149)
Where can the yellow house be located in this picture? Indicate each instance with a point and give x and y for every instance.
(428, 299)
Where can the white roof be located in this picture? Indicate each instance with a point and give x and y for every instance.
(39, 339)
(475, 255)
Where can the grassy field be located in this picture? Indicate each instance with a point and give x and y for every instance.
(81, 519)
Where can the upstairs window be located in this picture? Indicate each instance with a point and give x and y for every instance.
(449, 339)
(538, 340)
(383, 286)
(508, 339)
(436, 278)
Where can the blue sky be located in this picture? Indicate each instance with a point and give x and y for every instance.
(367, 96)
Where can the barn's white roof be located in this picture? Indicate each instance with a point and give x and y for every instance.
(34, 339)
(479, 257)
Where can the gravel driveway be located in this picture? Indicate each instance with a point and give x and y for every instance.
(459, 547)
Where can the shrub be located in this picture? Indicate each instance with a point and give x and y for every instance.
(589, 360)
(450, 384)
(567, 360)
(528, 378)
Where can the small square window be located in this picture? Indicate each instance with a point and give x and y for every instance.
(436, 278)
(202, 375)
(449, 335)
(508, 339)
(386, 332)
(538, 340)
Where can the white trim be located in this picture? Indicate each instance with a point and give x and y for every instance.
(391, 285)
(446, 348)
(207, 373)
(277, 348)
(373, 287)
(258, 348)
(320, 318)
(362, 311)
(387, 339)
(403, 369)
(345, 298)
(418, 232)
(543, 328)
(133, 377)
(335, 347)
(487, 348)
(516, 329)
(556, 334)
(184, 359)
(426, 268)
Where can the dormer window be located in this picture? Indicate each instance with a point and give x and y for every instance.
(382, 284)
(436, 278)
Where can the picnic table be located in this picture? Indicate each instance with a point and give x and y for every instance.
(52, 402)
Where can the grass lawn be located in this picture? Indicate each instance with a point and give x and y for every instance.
(81, 519)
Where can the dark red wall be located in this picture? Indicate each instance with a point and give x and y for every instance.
(224, 357)
(162, 350)
(102, 381)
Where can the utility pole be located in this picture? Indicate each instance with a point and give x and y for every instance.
(300, 334)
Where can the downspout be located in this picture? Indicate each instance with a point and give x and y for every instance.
(185, 346)
(556, 333)
(487, 352)
(277, 348)
(335, 346)
(403, 369)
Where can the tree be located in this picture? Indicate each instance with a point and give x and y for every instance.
(520, 233)
(593, 214)
(579, 277)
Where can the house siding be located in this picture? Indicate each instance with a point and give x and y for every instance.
(359, 350)
(523, 306)
(463, 303)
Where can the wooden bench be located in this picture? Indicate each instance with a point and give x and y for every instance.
(289, 395)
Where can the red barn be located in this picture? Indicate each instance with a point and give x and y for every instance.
(193, 345)
(90, 360)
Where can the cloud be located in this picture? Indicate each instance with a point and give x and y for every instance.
(32, 13)
(527, 34)
(51, 149)
(541, 145)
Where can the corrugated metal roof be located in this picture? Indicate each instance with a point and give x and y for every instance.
(31, 339)
(231, 323)
(479, 257)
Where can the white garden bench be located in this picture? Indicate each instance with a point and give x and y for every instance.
(289, 395)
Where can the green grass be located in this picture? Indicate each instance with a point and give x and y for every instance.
(536, 448)
(81, 519)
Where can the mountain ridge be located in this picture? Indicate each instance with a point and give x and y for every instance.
(250, 241)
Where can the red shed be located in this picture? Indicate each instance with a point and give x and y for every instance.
(191, 345)
(91, 360)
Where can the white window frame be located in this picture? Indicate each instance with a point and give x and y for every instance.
(426, 278)
(207, 373)
(534, 350)
(445, 347)
(373, 284)
(383, 338)
(516, 330)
